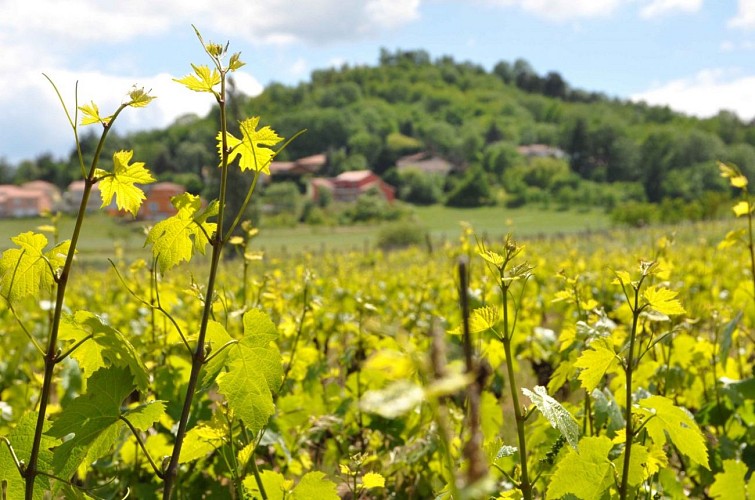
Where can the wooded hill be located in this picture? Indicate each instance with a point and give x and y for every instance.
(369, 116)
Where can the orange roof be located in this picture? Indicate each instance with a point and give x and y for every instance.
(354, 175)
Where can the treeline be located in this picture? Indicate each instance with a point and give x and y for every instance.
(616, 151)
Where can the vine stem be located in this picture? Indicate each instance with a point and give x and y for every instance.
(51, 355)
(628, 430)
(525, 485)
(198, 358)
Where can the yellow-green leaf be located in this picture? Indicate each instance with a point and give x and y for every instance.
(663, 300)
(742, 208)
(253, 149)
(26, 270)
(139, 97)
(373, 480)
(203, 79)
(638, 464)
(731, 482)
(177, 238)
(663, 418)
(594, 363)
(121, 183)
(92, 115)
(584, 474)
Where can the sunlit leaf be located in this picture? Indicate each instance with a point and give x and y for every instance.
(121, 183)
(558, 416)
(253, 149)
(584, 474)
(203, 79)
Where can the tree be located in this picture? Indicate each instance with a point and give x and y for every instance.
(472, 191)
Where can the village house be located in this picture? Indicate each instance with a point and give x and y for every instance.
(541, 151)
(294, 170)
(28, 200)
(425, 162)
(75, 192)
(157, 205)
(348, 186)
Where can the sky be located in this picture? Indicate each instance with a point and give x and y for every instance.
(696, 56)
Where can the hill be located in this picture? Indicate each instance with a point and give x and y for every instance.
(606, 151)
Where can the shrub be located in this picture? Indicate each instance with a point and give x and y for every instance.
(401, 235)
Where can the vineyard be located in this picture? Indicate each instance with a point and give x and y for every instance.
(617, 364)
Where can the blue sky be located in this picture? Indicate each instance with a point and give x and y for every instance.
(697, 56)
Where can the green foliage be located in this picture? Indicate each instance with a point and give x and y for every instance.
(401, 235)
(473, 190)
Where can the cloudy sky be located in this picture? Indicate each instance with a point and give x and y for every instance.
(697, 56)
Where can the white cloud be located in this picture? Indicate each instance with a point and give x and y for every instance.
(564, 10)
(658, 8)
(705, 94)
(745, 17)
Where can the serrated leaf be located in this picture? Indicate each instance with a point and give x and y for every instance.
(254, 372)
(253, 149)
(203, 79)
(666, 419)
(105, 347)
(121, 183)
(638, 460)
(731, 482)
(177, 238)
(594, 362)
(199, 442)
(584, 474)
(22, 438)
(27, 270)
(506, 451)
(94, 418)
(315, 485)
(663, 300)
(274, 483)
(92, 115)
(607, 411)
(490, 256)
(555, 413)
(622, 278)
(139, 98)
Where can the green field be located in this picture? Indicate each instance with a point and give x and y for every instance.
(102, 233)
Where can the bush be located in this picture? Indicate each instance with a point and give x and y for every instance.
(401, 235)
(419, 187)
(472, 191)
(634, 213)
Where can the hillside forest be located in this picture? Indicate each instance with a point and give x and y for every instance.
(644, 163)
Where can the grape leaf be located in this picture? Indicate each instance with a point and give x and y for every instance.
(742, 208)
(316, 485)
(203, 79)
(121, 183)
(94, 418)
(665, 418)
(27, 270)
(92, 115)
(556, 414)
(252, 149)
(586, 473)
(373, 480)
(274, 482)
(107, 346)
(176, 238)
(638, 461)
(594, 363)
(200, 441)
(254, 371)
(21, 438)
(663, 300)
(731, 482)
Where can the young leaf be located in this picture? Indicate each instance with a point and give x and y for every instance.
(373, 480)
(638, 460)
(176, 238)
(22, 437)
(556, 414)
(594, 362)
(93, 418)
(316, 485)
(139, 98)
(92, 115)
(254, 372)
(106, 347)
(203, 79)
(121, 183)
(663, 300)
(665, 418)
(742, 208)
(584, 474)
(731, 482)
(201, 441)
(253, 148)
(25, 270)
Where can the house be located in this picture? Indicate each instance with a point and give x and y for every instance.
(309, 165)
(348, 186)
(425, 162)
(75, 192)
(541, 151)
(28, 200)
(157, 205)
